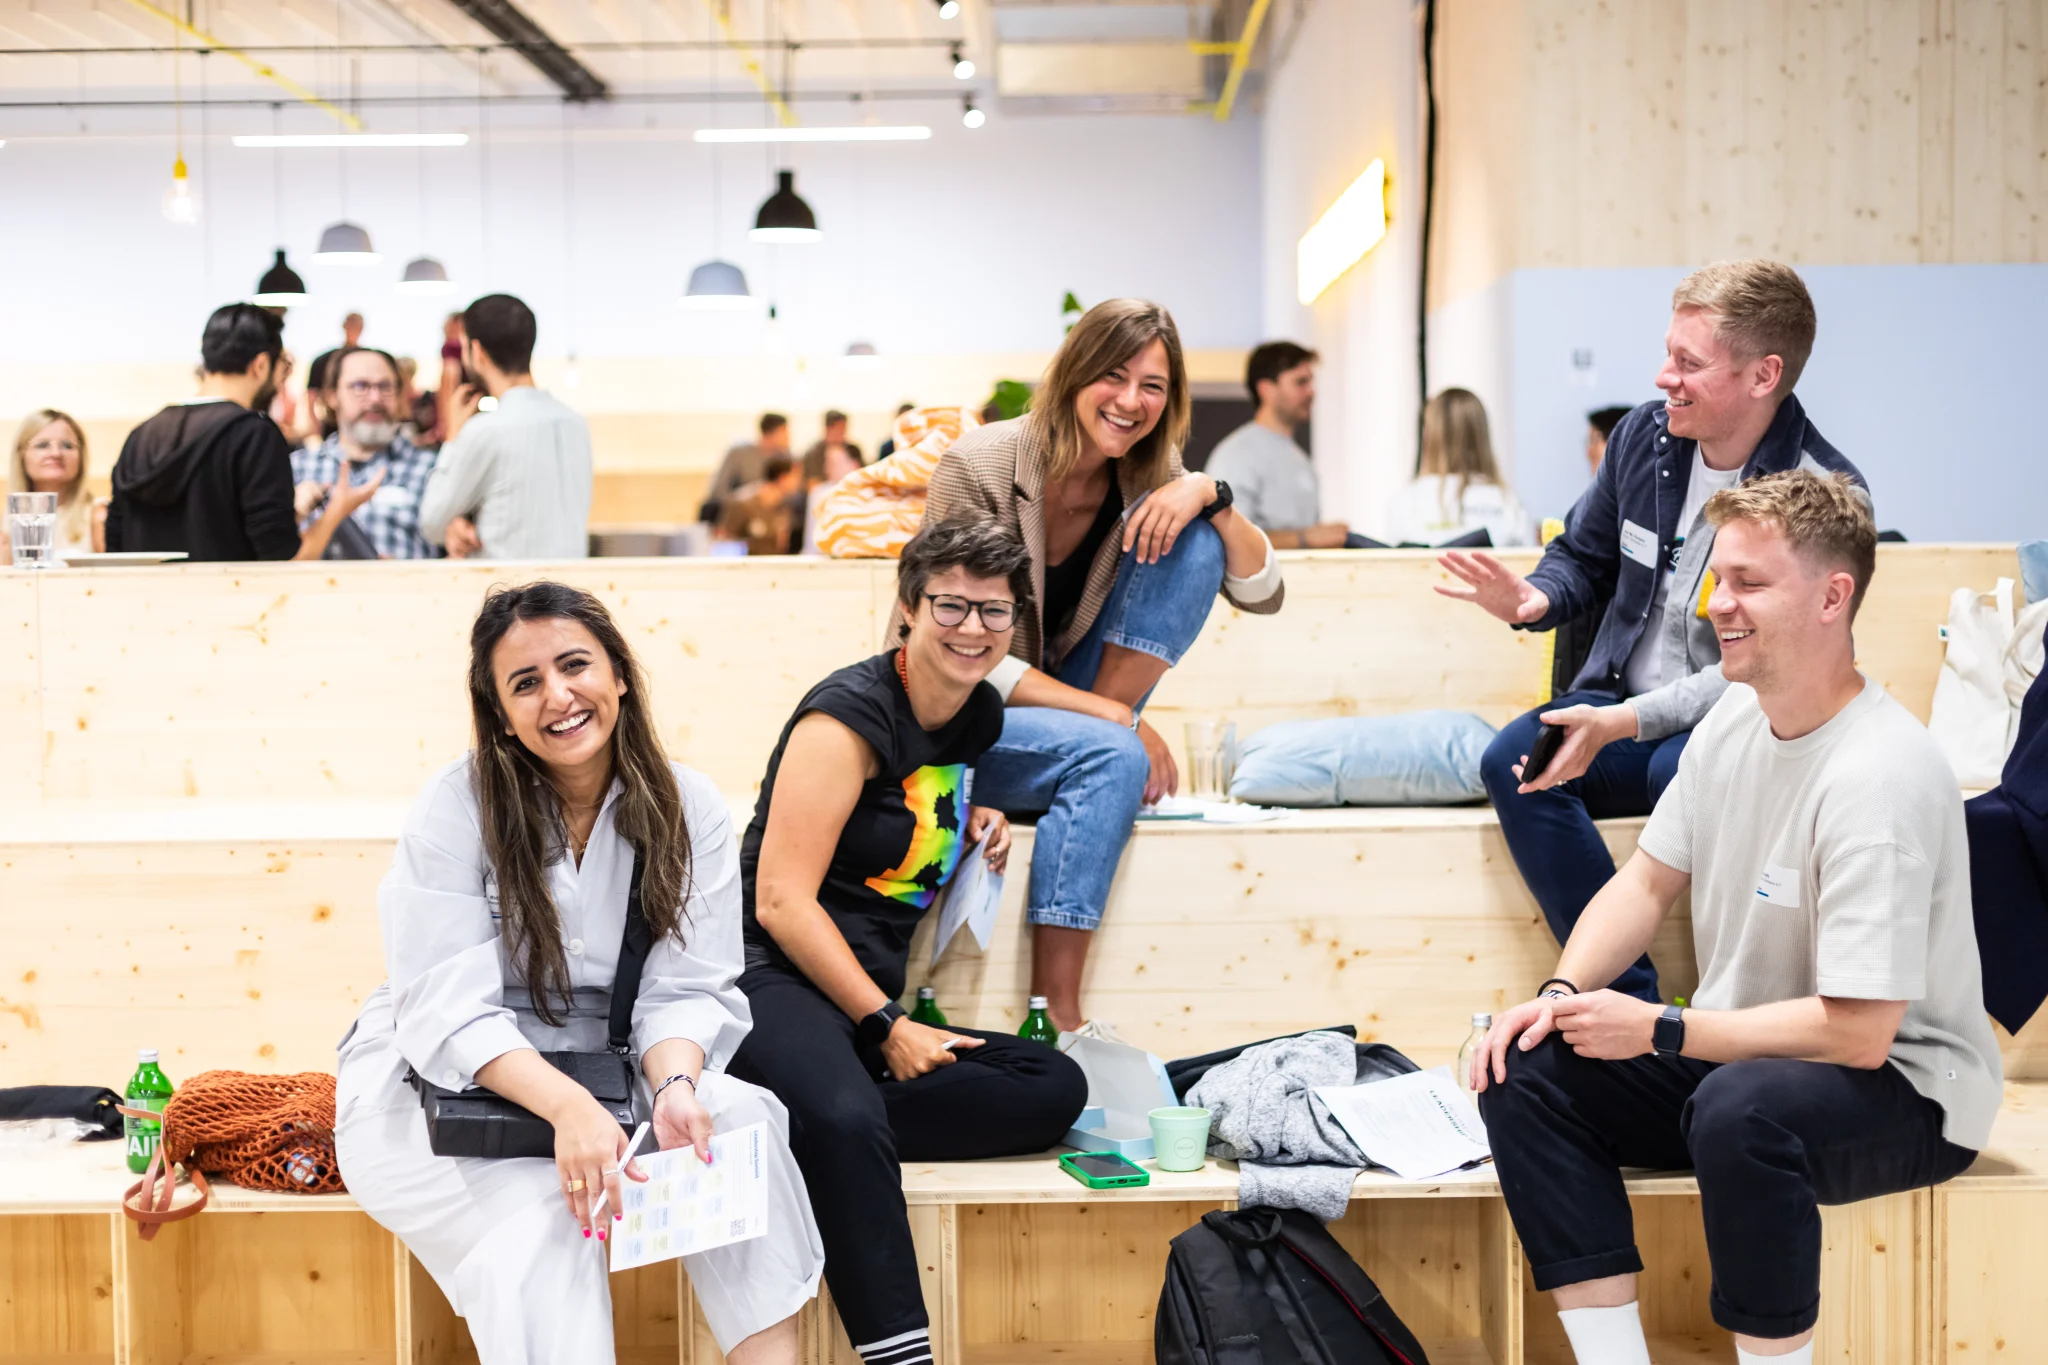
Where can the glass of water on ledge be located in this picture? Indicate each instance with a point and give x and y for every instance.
(32, 528)
(1212, 759)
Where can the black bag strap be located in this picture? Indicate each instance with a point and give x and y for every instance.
(1305, 1236)
(1216, 1286)
(633, 949)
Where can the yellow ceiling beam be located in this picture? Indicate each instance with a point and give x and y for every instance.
(1241, 58)
(263, 69)
(722, 12)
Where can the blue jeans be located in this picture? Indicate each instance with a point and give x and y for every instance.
(1551, 833)
(1082, 777)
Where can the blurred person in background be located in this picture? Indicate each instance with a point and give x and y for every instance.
(1600, 425)
(839, 462)
(745, 464)
(352, 330)
(833, 440)
(763, 514)
(1272, 477)
(514, 482)
(212, 476)
(369, 443)
(1457, 487)
(888, 446)
(50, 457)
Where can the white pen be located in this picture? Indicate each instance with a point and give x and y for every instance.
(632, 1148)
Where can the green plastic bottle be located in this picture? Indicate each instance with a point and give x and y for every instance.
(148, 1089)
(928, 1011)
(1037, 1026)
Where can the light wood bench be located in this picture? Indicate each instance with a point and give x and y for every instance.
(297, 682)
(1021, 1264)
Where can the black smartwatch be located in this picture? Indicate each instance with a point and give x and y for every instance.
(874, 1030)
(1223, 500)
(1667, 1035)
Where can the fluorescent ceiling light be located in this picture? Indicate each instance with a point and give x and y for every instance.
(1340, 238)
(864, 133)
(353, 140)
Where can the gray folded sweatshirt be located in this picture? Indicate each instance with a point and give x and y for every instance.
(1291, 1153)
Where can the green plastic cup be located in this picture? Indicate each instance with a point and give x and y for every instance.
(1180, 1138)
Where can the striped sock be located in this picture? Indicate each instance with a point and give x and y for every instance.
(911, 1348)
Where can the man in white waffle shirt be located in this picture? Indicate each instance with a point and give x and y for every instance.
(1837, 1047)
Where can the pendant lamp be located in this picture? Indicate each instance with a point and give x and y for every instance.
(861, 355)
(280, 286)
(717, 284)
(425, 276)
(346, 243)
(784, 218)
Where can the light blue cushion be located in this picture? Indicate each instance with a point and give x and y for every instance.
(1424, 758)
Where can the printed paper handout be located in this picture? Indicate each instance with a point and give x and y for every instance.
(686, 1206)
(1417, 1126)
(972, 899)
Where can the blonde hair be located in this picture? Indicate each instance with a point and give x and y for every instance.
(1456, 443)
(74, 508)
(1826, 517)
(1760, 308)
(1109, 335)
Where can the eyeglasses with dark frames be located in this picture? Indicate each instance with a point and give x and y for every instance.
(996, 615)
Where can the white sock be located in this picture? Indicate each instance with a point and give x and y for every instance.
(1609, 1336)
(1802, 1356)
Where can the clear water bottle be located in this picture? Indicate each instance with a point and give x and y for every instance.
(1475, 1041)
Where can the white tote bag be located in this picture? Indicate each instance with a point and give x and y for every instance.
(1972, 718)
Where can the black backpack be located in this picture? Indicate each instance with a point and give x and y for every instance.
(1272, 1287)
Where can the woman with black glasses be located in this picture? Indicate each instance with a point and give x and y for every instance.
(864, 816)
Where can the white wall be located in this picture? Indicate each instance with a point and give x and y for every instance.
(1345, 96)
(962, 245)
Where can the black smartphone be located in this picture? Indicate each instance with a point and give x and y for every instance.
(1542, 751)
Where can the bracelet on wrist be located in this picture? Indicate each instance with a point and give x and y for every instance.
(679, 1076)
(1544, 989)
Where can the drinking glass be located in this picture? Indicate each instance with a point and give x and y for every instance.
(1212, 759)
(32, 528)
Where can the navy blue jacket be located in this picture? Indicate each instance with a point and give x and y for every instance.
(1643, 481)
(2009, 870)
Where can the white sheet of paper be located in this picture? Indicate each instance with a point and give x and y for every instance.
(972, 899)
(1417, 1126)
(686, 1206)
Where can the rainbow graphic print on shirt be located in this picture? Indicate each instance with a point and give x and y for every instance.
(938, 798)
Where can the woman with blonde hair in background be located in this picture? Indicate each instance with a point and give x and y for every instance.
(49, 457)
(1457, 488)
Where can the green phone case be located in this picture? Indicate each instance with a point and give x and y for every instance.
(1137, 1175)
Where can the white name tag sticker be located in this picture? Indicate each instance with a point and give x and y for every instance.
(1639, 543)
(1779, 886)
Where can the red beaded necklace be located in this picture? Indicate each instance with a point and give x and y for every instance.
(903, 666)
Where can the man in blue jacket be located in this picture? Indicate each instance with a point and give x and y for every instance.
(1740, 334)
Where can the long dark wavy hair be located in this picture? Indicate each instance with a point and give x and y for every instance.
(521, 811)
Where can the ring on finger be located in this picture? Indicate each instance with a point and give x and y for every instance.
(574, 1187)
(609, 1170)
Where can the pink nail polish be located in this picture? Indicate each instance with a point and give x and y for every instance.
(600, 1234)
(586, 1232)
(618, 1218)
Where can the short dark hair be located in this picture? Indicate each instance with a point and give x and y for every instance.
(505, 328)
(236, 334)
(772, 422)
(1605, 420)
(902, 408)
(775, 466)
(341, 356)
(1272, 360)
(833, 415)
(980, 545)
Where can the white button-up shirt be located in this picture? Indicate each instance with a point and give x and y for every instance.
(456, 1002)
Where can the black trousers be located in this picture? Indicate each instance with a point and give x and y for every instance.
(851, 1132)
(1770, 1141)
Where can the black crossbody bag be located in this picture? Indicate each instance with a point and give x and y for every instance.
(476, 1122)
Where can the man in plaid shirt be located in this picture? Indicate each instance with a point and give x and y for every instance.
(366, 400)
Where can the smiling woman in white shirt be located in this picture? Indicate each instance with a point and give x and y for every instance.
(504, 914)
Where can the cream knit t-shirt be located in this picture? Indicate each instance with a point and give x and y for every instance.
(1837, 864)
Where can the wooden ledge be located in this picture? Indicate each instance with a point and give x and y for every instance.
(89, 1177)
(205, 820)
